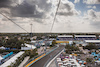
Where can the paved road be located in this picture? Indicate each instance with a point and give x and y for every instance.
(42, 61)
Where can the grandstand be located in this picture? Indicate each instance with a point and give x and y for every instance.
(4, 57)
(97, 42)
(65, 37)
(77, 37)
(85, 37)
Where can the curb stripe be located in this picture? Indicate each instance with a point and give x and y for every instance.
(29, 64)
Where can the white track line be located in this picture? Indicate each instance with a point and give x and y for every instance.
(54, 58)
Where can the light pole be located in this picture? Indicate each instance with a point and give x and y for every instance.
(31, 36)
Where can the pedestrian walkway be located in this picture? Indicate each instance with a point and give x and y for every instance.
(24, 61)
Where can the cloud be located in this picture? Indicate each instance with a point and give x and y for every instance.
(5, 3)
(67, 9)
(25, 10)
(35, 9)
(93, 17)
(92, 7)
(76, 1)
(31, 8)
(91, 1)
(92, 14)
(66, 14)
(5, 10)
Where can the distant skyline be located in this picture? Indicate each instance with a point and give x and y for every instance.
(73, 16)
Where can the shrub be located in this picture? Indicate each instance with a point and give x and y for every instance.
(89, 60)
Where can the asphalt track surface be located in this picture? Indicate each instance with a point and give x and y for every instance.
(42, 61)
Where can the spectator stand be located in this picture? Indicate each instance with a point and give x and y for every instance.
(97, 42)
(85, 37)
(65, 38)
(12, 60)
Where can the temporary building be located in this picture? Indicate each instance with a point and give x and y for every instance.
(2, 48)
(12, 60)
(1, 58)
(30, 46)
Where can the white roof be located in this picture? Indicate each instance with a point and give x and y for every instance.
(2, 47)
(85, 36)
(30, 46)
(1, 58)
(25, 48)
(42, 43)
(93, 41)
(33, 41)
(76, 62)
(12, 60)
(65, 36)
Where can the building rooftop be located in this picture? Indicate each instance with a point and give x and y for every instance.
(85, 36)
(93, 41)
(65, 36)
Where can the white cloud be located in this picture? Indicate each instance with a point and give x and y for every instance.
(93, 15)
(67, 8)
(93, 7)
(76, 1)
(72, 24)
(91, 1)
(94, 18)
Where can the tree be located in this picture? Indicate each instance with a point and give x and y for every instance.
(74, 43)
(97, 36)
(80, 45)
(89, 60)
(91, 46)
(31, 53)
(70, 49)
(1, 43)
(53, 42)
(13, 43)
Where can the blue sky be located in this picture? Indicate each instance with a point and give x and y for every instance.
(83, 6)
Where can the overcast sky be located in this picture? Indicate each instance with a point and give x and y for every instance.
(72, 15)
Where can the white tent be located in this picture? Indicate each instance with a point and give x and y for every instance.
(33, 41)
(30, 46)
(25, 48)
(1, 58)
(42, 44)
(2, 47)
(70, 42)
